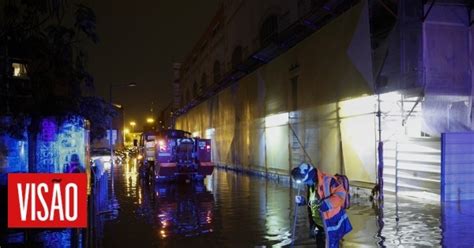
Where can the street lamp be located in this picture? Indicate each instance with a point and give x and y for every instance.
(111, 86)
(150, 120)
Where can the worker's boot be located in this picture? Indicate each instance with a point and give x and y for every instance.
(320, 237)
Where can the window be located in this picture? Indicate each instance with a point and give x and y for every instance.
(217, 71)
(203, 82)
(236, 57)
(195, 89)
(302, 7)
(187, 97)
(269, 30)
(19, 70)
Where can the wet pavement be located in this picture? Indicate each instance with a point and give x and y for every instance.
(237, 210)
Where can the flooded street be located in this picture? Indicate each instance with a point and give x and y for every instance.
(236, 123)
(236, 210)
(227, 210)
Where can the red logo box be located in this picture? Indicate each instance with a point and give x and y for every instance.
(47, 200)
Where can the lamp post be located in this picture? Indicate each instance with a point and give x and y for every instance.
(111, 86)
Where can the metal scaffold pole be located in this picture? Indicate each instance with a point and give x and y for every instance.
(301, 145)
(380, 151)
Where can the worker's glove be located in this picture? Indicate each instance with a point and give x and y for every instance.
(316, 231)
(315, 204)
(300, 200)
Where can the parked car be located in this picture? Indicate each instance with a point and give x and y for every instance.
(103, 154)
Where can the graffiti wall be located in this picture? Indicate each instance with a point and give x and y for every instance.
(13, 157)
(62, 148)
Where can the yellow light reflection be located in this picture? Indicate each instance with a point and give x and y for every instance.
(131, 177)
(163, 234)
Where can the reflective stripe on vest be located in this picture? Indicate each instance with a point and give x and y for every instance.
(339, 223)
(327, 186)
(341, 194)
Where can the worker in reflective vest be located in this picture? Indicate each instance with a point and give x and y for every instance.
(325, 200)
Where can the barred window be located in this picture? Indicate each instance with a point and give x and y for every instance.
(217, 71)
(269, 30)
(236, 57)
(203, 82)
(195, 89)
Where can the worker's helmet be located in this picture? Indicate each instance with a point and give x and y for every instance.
(303, 173)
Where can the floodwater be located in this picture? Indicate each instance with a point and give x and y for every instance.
(236, 210)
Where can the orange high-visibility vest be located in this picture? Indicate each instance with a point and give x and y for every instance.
(336, 222)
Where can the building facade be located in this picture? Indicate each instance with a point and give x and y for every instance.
(336, 83)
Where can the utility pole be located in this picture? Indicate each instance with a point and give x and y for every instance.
(111, 125)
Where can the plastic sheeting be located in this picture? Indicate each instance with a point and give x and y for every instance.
(447, 61)
(250, 131)
(433, 57)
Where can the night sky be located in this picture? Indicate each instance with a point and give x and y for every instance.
(139, 41)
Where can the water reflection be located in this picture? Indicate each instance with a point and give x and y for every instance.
(130, 173)
(236, 210)
(184, 210)
(458, 224)
(411, 224)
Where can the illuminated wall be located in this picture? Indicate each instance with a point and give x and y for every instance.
(314, 95)
(58, 147)
(13, 157)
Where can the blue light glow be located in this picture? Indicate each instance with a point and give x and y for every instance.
(61, 149)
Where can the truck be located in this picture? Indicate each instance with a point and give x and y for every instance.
(147, 146)
(179, 156)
